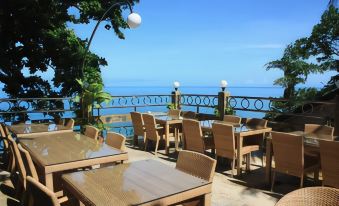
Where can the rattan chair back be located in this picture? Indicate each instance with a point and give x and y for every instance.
(224, 140)
(256, 122)
(28, 163)
(150, 127)
(38, 194)
(189, 115)
(196, 164)
(69, 123)
(232, 118)
(116, 140)
(329, 154)
(288, 153)
(193, 135)
(319, 129)
(92, 132)
(20, 167)
(311, 196)
(174, 113)
(138, 124)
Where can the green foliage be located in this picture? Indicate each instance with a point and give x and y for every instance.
(323, 43)
(298, 59)
(294, 103)
(171, 106)
(92, 96)
(227, 111)
(294, 68)
(35, 38)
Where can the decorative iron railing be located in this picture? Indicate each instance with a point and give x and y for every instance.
(12, 109)
(133, 102)
(22, 108)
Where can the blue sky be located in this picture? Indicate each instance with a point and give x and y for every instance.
(199, 43)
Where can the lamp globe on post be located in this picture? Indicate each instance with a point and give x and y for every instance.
(133, 20)
(176, 85)
(223, 85)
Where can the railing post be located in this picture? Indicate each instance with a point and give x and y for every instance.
(222, 103)
(336, 117)
(176, 99)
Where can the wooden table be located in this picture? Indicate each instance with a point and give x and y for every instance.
(146, 182)
(167, 122)
(240, 131)
(22, 130)
(311, 143)
(56, 152)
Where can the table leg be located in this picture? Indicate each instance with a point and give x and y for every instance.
(49, 181)
(207, 199)
(167, 138)
(239, 156)
(176, 139)
(268, 167)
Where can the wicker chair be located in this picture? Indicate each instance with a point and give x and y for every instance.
(28, 163)
(138, 126)
(258, 139)
(320, 129)
(6, 149)
(92, 132)
(196, 164)
(174, 113)
(38, 194)
(152, 131)
(329, 162)
(69, 123)
(189, 115)
(116, 140)
(194, 139)
(225, 144)
(289, 157)
(232, 118)
(311, 196)
(20, 170)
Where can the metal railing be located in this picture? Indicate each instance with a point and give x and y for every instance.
(23, 108)
(12, 109)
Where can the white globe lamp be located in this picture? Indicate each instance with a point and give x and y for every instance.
(133, 20)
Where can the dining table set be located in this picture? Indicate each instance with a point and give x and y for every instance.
(71, 161)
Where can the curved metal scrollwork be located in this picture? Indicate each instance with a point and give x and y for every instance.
(199, 100)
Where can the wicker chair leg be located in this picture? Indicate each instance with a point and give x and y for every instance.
(146, 143)
(248, 162)
(262, 160)
(302, 181)
(233, 165)
(156, 147)
(135, 140)
(273, 181)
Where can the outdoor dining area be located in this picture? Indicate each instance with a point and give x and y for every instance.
(53, 164)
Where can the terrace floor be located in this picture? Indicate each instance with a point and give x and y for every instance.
(249, 189)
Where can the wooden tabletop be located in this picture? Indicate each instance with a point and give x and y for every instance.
(142, 182)
(23, 129)
(168, 119)
(238, 128)
(58, 148)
